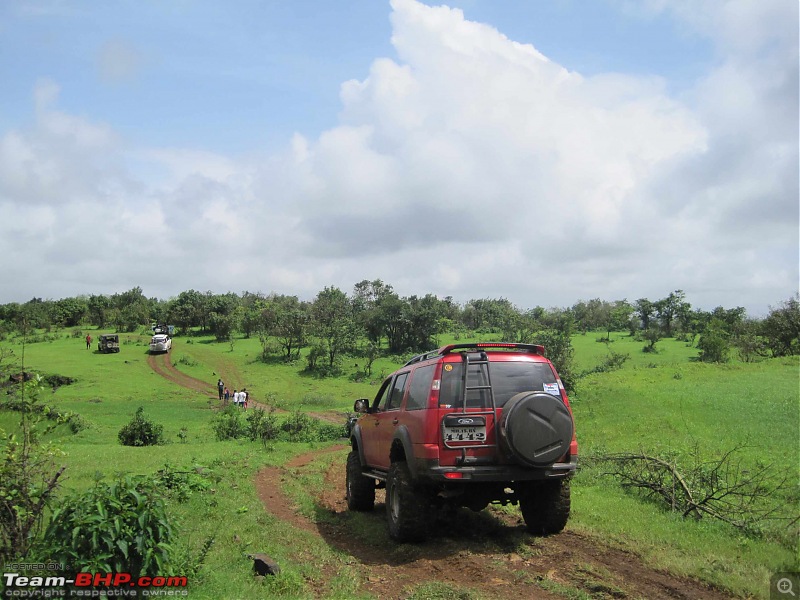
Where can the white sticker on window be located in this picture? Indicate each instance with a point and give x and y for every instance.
(551, 388)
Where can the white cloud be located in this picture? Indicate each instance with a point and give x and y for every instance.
(472, 166)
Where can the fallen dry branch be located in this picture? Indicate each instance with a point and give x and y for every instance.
(721, 488)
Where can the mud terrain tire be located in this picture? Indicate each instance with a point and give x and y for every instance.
(545, 506)
(407, 507)
(360, 490)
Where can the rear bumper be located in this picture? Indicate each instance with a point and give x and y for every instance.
(429, 471)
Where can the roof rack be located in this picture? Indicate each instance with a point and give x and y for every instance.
(532, 348)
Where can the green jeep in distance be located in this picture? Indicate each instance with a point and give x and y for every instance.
(108, 343)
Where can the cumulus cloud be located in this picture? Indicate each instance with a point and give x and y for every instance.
(470, 165)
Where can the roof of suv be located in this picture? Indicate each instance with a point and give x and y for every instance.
(477, 347)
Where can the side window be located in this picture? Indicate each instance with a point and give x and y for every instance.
(382, 396)
(420, 389)
(396, 396)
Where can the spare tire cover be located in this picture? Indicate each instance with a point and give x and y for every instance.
(536, 428)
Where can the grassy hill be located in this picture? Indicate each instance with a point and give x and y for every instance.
(663, 404)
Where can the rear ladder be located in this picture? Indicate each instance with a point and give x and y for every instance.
(482, 360)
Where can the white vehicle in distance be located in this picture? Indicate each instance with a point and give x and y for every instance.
(161, 342)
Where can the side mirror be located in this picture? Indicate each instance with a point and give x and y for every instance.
(361, 405)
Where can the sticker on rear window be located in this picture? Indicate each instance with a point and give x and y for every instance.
(551, 388)
(448, 368)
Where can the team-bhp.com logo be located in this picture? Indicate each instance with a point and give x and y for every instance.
(94, 585)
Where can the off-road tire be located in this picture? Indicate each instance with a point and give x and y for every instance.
(360, 491)
(545, 506)
(407, 507)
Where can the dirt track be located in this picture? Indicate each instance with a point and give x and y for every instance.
(162, 365)
(489, 551)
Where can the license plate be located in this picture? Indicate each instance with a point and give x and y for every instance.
(465, 434)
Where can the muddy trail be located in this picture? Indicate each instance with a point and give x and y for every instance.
(162, 365)
(488, 551)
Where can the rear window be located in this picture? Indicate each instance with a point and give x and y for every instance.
(508, 379)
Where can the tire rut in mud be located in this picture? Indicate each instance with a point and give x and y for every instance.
(489, 551)
(162, 365)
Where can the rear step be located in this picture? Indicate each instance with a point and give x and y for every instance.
(375, 474)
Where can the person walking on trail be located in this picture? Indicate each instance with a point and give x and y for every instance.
(220, 388)
(245, 395)
(88, 341)
(236, 397)
(226, 396)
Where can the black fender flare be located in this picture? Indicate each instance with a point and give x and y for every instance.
(403, 438)
(355, 442)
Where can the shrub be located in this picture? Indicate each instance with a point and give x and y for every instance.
(141, 431)
(300, 427)
(29, 478)
(228, 423)
(185, 360)
(77, 423)
(181, 484)
(612, 362)
(119, 527)
(714, 347)
(261, 425)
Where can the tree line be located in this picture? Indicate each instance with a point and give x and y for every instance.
(373, 319)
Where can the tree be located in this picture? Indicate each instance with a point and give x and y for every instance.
(367, 299)
(287, 319)
(69, 312)
(487, 314)
(133, 309)
(98, 307)
(224, 316)
(34, 314)
(645, 309)
(558, 348)
(591, 315)
(423, 317)
(186, 310)
(333, 321)
(252, 305)
(668, 308)
(391, 316)
(618, 317)
(781, 328)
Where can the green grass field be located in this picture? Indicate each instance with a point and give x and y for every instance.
(657, 403)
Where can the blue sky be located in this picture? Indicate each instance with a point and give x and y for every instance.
(544, 151)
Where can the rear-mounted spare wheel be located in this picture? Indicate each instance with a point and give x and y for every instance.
(536, 428)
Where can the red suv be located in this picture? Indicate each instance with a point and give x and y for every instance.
(466, 425)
